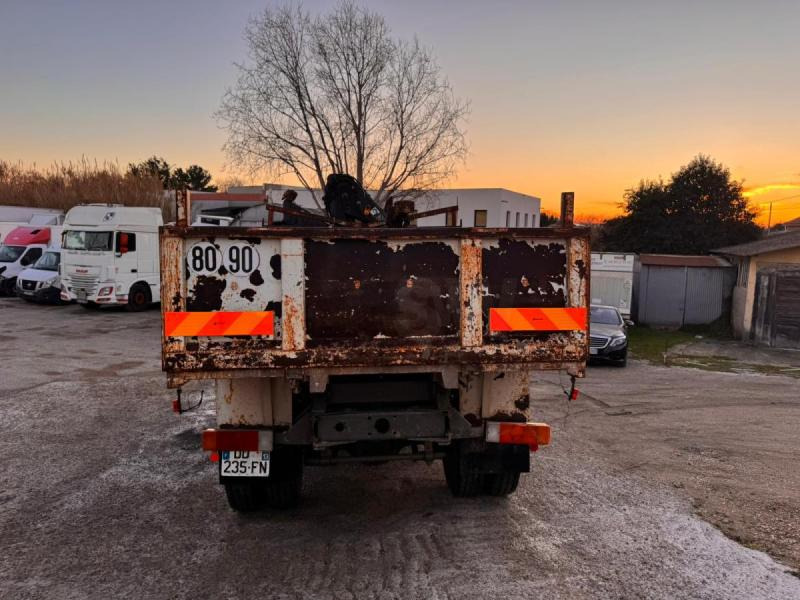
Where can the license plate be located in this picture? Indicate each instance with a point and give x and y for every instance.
(592, 350)
(236, 463)
(81, 295)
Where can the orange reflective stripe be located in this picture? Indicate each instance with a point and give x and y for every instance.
(537, 319)
(219, 323)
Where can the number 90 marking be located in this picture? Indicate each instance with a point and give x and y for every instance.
(239, 259)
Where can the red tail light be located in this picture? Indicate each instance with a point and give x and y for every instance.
(235, 439)
(532, 435)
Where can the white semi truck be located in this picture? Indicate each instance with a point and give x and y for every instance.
(109, 256)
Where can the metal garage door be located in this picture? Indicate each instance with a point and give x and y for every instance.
(663, 296)
(776, 312)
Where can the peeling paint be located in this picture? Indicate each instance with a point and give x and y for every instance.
(256, 278)
(394, 290)
(206, 294)
(401, 298)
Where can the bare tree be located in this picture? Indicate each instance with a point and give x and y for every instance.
(337, 94)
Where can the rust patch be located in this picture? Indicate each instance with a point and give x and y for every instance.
(228, 396)
(254, 241)
(206, 294)
(509, 416)
(523, 402)
(473, 419)
(561, 353)
(292, 313)
(582, 271)
(471, 289)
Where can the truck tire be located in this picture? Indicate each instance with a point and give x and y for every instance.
(461, 474)
(282, 489)
(284, 486)
(244, 496)
(501, 484)
(283, 494)
(138, 297)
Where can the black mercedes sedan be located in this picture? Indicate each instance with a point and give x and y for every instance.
(607, 335)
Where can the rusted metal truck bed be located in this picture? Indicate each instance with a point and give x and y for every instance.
(361, 299)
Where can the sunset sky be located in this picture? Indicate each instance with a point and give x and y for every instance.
(583, 96)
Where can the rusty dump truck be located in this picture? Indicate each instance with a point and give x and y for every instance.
(334, 344)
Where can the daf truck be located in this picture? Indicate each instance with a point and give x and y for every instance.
(109, 256)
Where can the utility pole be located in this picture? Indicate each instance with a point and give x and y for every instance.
(769, 219)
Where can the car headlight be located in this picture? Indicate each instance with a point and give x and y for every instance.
(617, 341)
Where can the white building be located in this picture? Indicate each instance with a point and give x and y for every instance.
(483, 207)
(477, 207)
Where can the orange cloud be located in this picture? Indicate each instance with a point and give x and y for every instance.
(772, 187)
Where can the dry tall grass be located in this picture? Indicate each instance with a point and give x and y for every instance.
(63, 185)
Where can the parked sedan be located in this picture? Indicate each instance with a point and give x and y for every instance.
(607, 335)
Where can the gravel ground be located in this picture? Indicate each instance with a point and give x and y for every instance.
(105, 494)
(728, 442)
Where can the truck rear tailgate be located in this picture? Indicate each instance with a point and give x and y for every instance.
(360, 297)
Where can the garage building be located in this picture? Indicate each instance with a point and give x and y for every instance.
(766, 299)
(672, 290)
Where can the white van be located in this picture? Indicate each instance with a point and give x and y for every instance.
(109, 255)
(40, 282)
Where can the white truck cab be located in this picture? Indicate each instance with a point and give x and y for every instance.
(109, 255)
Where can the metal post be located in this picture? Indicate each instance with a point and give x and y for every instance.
(181, 208)
(567, 209)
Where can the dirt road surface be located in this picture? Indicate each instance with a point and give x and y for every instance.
(104, 492)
